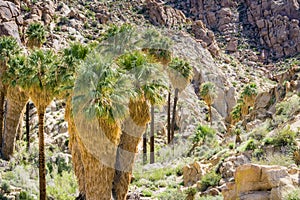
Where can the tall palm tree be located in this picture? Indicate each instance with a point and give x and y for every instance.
(40, 75)
(8, 48)
(208, 93)
(180, 73)
(99, 104)
(72, 58)
(148, 89)
(36, 35)
(158, 47)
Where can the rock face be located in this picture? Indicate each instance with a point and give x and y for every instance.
(274, 23)
(260, 182)
(193, 173)
(161, 15)
(206, 37)
(10, 19)
(277, 24)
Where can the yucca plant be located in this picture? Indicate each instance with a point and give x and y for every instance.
(208, 93)
(36, 35)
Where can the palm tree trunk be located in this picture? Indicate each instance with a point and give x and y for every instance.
(74, 147)
(27, 126)
(42, 164)
(145, 147)
(2, 99)
(169, 117)
(174, 114)
(210, 114)
(152, 159)
(133, 129)
(16, 100)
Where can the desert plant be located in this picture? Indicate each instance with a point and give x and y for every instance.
(36, 35)
(210, 179)
(208, 93)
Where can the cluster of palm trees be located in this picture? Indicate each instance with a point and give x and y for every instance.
(110, 90)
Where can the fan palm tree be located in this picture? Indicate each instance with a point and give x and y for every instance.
(208, 93)
(72, 58)
(180, 73)
(248, 96)
(158, 47)
(148, 89)
(99, 104)
(36, 35)
(40, 75)
(8, 48)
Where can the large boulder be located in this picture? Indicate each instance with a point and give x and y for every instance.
(10, 19)
(254, 181)
(193, 173)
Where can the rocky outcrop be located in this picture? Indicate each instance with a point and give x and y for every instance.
(261, 182)
(193, 173)
(277, 24)
(10, 19)
(161, 15)
(206, 37)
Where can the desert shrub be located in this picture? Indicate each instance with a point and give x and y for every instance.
(220, 197)
(64, 186)
(5, 187)
(202, 133)
(250, 145)
(147, 193)
(276, 159)
(210, 179)
(231, 145)
(171, 194)
(293, 195)
(25, 196)
(284, 137)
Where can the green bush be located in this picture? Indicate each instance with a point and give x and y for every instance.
(202, 133)
(147, 193)
(210, 179)
(250, 145)
(2, 197)
(231, 145)
(5, 187)
(285, 137)
(294, 195)
(25, 196)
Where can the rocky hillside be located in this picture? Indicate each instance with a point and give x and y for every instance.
(251, 149)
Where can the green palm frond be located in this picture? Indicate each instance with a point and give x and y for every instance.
(250, 90)
(36, 35)
(8, 47)
(148, 77)
(207, 89)
(117, 40)
(156, 45)
(101, 91)
(182, 67)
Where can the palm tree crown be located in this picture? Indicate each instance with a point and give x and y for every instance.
(36, 35)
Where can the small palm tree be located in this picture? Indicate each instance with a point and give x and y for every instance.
(180, 73)
(40, 75)
(8, 48)
(208, 93)
(248, 96)
(36, 35)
